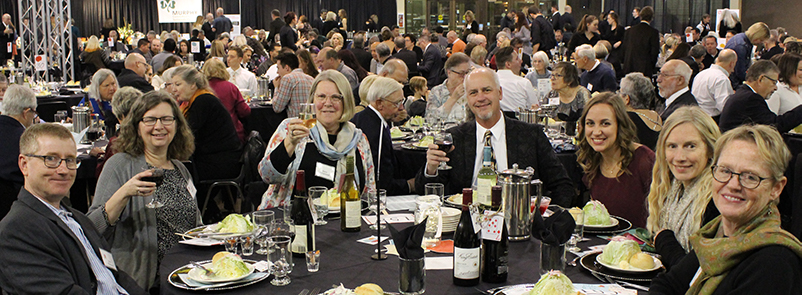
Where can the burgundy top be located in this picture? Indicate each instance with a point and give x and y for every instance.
(232, 99)
(625, 196)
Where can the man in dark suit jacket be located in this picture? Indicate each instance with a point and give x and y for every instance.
(49, 247)
(7, 34)
(275, 25)
(641, 45)
(358, 49)
(134, 73)
(542, 32)
(409, 57)
(19, 113)
(518, 142)
(568, 18)
(673, 86)
(386, 99)
(432, 63)
(317, 22)
(748, 104)
(207, 27)
(556, 23)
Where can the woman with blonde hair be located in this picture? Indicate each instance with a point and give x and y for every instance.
(228, 93)
(669, 44)
(198, 22)
(93, 55)
(478, 57)
(618, 170)
(416, 103)
(680, 197)
(217, 51)
(337, 41)
(471, 26)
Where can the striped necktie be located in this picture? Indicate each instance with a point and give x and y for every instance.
(488, 139)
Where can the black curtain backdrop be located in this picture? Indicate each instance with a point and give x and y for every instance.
(143, 15)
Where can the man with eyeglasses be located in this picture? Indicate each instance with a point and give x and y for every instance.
(748, 103)
(672, 83)
(386, 100)
(134, 73)
(49, 247)
(19, 111)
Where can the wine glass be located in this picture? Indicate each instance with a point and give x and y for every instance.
(321, 203)
(281, 259)
(307, 114)
(444, 142)
(577, 235)
(157, 176)
(262, 220)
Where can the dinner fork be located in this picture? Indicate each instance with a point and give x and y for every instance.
(304, 292)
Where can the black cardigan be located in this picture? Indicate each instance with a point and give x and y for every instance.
(216, 143)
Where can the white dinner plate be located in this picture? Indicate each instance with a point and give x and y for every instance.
(198, 275)
(657, 265)
(613, 223)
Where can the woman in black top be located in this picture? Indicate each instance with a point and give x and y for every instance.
(217, 146)
(329, 24)
(729, 22)
(615, 36)
(586, 33)
(471, 26)
(288, 35)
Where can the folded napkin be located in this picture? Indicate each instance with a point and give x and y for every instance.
(556, 229)
(408, 241)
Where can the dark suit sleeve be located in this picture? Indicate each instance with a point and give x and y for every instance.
(428, 62)
(654, 46)
(535, 33)
(551, 171)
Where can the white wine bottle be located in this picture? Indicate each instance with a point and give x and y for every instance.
(350, 219)
(485, 179)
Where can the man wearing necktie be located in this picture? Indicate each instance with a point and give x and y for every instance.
(49, 247)
(512, 142)
(386, 99)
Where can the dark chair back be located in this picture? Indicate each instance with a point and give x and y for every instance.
(47, 110)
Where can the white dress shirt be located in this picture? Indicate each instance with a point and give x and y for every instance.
(516, 91)
(676, 95)
(711, 88)
(243, 78)
(499, 143)
(784, 99)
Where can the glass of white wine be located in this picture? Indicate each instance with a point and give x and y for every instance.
(308, 115)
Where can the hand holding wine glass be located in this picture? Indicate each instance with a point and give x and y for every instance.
(156, 177)
(296, 132)
(445, 143)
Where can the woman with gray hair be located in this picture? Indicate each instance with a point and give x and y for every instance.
(540, 64)
(447, 101)
(638, 92)
(120, 106)
(101, 90)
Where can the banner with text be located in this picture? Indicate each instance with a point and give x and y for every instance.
(179, 11)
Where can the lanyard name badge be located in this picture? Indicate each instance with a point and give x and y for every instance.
(8, 47)
(195, 47)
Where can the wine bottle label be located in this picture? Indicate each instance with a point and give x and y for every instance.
(483, 187)
(352, 216)
(299, 244)
(466, 263)
(491, 228)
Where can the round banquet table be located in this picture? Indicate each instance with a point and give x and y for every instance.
(263, 119)
(345, 261)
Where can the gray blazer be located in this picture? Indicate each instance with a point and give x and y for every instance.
(133, 239)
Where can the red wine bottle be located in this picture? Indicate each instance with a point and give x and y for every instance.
(495, 253)
(301, 215)
(467, 246)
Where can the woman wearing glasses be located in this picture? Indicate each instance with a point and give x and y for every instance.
(565, 86)
(743, 251)
(447, 101)
(680, 197)
(153, 135)
(319, 150)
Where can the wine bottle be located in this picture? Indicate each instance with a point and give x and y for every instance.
(350, 218)
(467, 246)
(485, 179)
(495, 252)
(301, 215)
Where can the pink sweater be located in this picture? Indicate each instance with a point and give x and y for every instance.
(232, 99)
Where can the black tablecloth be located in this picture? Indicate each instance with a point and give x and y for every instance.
(345, 261)
(264, 120)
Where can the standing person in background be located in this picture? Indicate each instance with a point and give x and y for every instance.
(641, 45)
(471, 26)
(358, 49)
(704, 25)
(207, 27)
(742, 44)
(229, 95)
(616, 38)
(317, 22)
(518, 92)
(587, 33)
(432, 63)
(222, 24)
(636, 17)
(7, 34)
(329, 24)
(555, 18)
(568, 19)
(729, 22)
(275, 26)
(771, 48)
(542, 32)
(108, 25)
(522, 32)
(343, 24)
(288, 35)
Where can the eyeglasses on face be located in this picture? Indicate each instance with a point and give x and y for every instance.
(746, 179)
(54, 162)
(335, 98)
(166, 120)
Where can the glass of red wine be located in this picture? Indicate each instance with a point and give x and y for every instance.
(157, 177)
(444, 143)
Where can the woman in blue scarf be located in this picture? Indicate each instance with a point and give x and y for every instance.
(320, 150)
(101, 90)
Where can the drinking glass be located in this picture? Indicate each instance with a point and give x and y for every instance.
(321, 203)
(313, 261)
(412, 276)
(444, 142)
(262, 220)
(307, 114)
(157, 176)
(231, 244)
(282, 228)
(437, 189)
(247, 244)
(576, 237)
(281, 259)
(60, 117)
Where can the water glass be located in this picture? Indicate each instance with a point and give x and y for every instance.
(60, 117)
(379, 202)
(552, 257)
(247, 245)
(281, 259)
(576, 237)
(429, 207)
(412, 276)
(313, 261)
(262, 220)
(231, 244)
(318, 196)
(437, 189)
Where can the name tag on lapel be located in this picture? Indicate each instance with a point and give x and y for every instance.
(108, 259)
